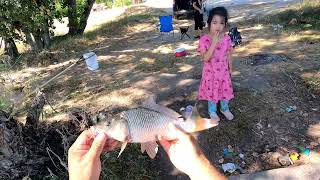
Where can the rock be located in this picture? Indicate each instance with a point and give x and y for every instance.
(292, 124)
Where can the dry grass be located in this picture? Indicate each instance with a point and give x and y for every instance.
(312, 80)
(307, 14)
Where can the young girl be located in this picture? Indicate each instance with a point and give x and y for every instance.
(215, 49)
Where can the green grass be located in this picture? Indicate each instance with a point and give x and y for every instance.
(4, 104)
(132, 164)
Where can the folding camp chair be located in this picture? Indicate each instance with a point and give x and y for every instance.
(184, 32)
(166, 25)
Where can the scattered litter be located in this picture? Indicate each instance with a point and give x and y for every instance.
(314, 144)
(285, 160)
(189, 111)
(294, 156)
(229, 167)
(291, 109)
(277, 27)
(226, 152)
(179, 52)
(241, 156)
(221, 160)
(314, 109)
(240, 169)
(305, 114)
(305, 151)
(230, 149)
(91, 61)
(243, 164)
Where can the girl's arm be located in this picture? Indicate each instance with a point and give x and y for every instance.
(207, 54)
(230, 60)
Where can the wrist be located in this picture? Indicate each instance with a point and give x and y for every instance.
(200, 167)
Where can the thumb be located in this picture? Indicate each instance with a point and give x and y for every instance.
(178, 132)
(97, 146)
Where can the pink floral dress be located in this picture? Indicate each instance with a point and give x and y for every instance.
(216, 83)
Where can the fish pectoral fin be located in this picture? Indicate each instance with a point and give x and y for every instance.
(123, 146)
(143, 148)
(151, 148)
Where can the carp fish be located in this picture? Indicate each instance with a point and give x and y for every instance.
(144, 125)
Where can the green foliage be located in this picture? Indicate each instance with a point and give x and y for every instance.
(18, 17)
(117, 3)
(4, 103)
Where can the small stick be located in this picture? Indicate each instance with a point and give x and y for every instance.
(61, 162)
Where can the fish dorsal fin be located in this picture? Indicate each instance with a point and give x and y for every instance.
(151, 148)
(150, 103)
(123, 146)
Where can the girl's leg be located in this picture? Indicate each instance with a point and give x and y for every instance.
(224, 105)
(225, 109)
(212, 108)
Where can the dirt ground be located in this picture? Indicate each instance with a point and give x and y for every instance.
(269, 71)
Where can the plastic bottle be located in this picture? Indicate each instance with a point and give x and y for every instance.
(189, 111)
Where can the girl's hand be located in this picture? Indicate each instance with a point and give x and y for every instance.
(216, 38)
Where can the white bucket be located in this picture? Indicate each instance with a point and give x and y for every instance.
(91, 61)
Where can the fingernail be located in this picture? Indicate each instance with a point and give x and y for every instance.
(159, 137)
(101, 137)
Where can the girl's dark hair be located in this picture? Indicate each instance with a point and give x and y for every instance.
(220, 11)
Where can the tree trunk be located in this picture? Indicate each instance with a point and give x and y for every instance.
(10, 48)
(46, 34)
(72, 17)
(31, 41)
(85, 16)
(38, 39)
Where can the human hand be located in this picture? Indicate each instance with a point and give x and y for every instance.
(216, 38)
(183, 152)
(84, 155)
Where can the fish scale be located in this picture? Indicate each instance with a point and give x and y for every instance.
(145, 124)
